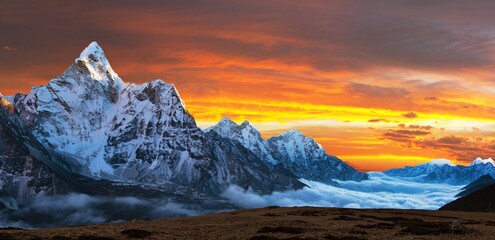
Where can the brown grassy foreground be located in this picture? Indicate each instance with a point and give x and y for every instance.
(286, 223)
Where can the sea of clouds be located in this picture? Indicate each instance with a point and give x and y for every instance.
(380, 191)
(81, 209)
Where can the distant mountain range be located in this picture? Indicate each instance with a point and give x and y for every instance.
(444, 171)
(87, 130)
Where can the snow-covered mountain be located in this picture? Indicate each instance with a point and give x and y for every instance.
(108, 129)
(293, 151)
(236, 164)
(478, 161)
(445, 171)
(246, 134)
(88, 125)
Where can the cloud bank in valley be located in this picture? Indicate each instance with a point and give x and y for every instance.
(380, 191)
(81, 209)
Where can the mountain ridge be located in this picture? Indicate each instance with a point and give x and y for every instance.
(89, 124)
(301, 155)
(444, 171)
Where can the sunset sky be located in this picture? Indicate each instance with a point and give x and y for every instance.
(379, 84)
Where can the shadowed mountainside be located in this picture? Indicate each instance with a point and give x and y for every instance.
(483, 181)
(482, 200)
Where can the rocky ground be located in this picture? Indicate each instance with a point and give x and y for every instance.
(285, 223)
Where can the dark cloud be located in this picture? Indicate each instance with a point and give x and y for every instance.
(412, 132)
(398, 137)
(452, 140)
(337, 35)
(410, 115)
(378, 120)
(404, 135)
(80, 209)
(413, 126)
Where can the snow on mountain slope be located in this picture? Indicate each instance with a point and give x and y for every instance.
(440, 162)
(114, 130)
(307, 159)
(444, 171)
(293, 151)
(246, 134)
(482, 161)
(237, 164)
(88, 122)
(21, 176)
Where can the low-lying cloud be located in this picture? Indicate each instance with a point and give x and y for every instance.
(81, 209)
(380, 191)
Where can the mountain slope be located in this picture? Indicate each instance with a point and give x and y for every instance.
(21, 176)
(293, 151)
(480, 183)
(236, 164)
(482, 200)
(247, 135)
(444, 171)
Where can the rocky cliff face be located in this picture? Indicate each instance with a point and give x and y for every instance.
(21, 176)
(237, 164)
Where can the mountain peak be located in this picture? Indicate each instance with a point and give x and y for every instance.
(293, 133)
(439, 162)
(247, 124)
(482, 161)
(227, 120)
(94, 59)
(93, 50)
(228, 128)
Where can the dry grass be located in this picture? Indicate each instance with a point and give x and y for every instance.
(285, 223)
